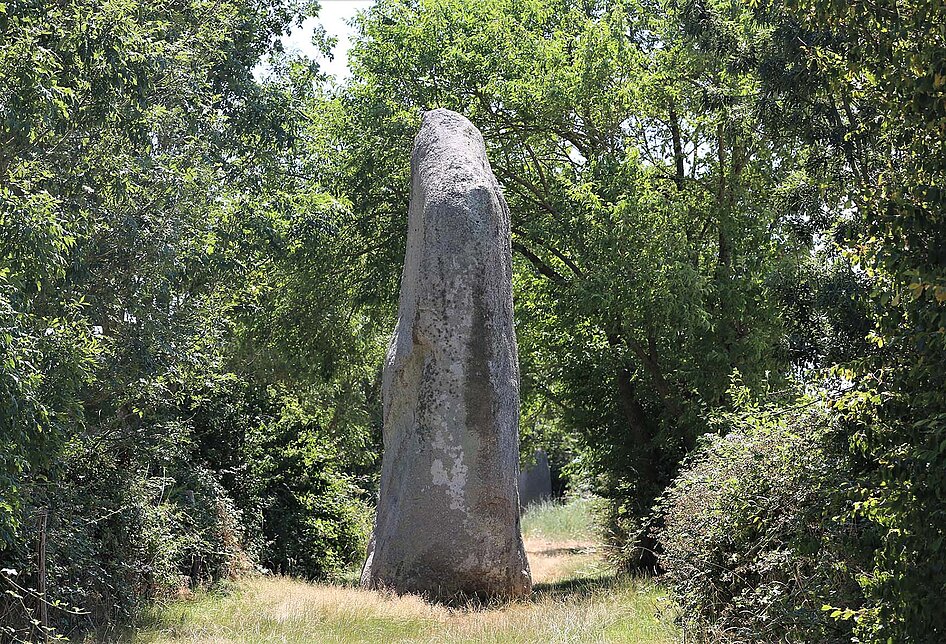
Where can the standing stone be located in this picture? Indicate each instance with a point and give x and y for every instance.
(448, 515)
(535, 483)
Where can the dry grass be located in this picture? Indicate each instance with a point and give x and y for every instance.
(557, 561)
(576, 599)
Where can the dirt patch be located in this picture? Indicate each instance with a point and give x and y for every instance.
(552, 561)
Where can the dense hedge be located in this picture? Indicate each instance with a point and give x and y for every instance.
(756, 538)
(182, 392)
(124, 525)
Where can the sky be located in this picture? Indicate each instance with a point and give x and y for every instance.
(333, 16)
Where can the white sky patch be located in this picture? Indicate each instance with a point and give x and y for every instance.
(334, 16)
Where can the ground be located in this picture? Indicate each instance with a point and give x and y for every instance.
(577, 598)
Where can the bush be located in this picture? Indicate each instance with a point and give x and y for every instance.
(297, 468)
(191, 493)
(755, 543)
(117, 536)
(315, 521)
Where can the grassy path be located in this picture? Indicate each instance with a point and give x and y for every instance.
(577, 599)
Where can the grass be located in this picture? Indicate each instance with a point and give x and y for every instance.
(558, 521)
(577, 598)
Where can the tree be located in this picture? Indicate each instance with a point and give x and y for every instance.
(648, 215)
(863, 84)
(144, 212)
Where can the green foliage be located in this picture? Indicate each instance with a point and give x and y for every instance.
(314, 520)
(867, 84)
(648, 217)
(144, 212)
(752, 544)
(199, 259)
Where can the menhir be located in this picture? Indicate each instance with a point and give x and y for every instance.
(448, 516)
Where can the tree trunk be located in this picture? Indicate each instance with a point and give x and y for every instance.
(637, 423)
(677, 147)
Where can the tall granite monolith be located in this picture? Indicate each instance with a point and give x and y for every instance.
(448, 514)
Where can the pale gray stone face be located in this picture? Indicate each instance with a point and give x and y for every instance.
(448, 516)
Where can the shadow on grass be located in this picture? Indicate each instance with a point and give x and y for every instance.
(577, 587)
(560, 552)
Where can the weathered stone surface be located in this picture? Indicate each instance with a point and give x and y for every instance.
(448, 515)
(535, 482)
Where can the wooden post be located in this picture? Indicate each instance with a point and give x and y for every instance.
(41, 572)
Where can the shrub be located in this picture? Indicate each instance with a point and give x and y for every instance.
(117, 536)
(187, 496)
(315, 520)
(755, 543)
